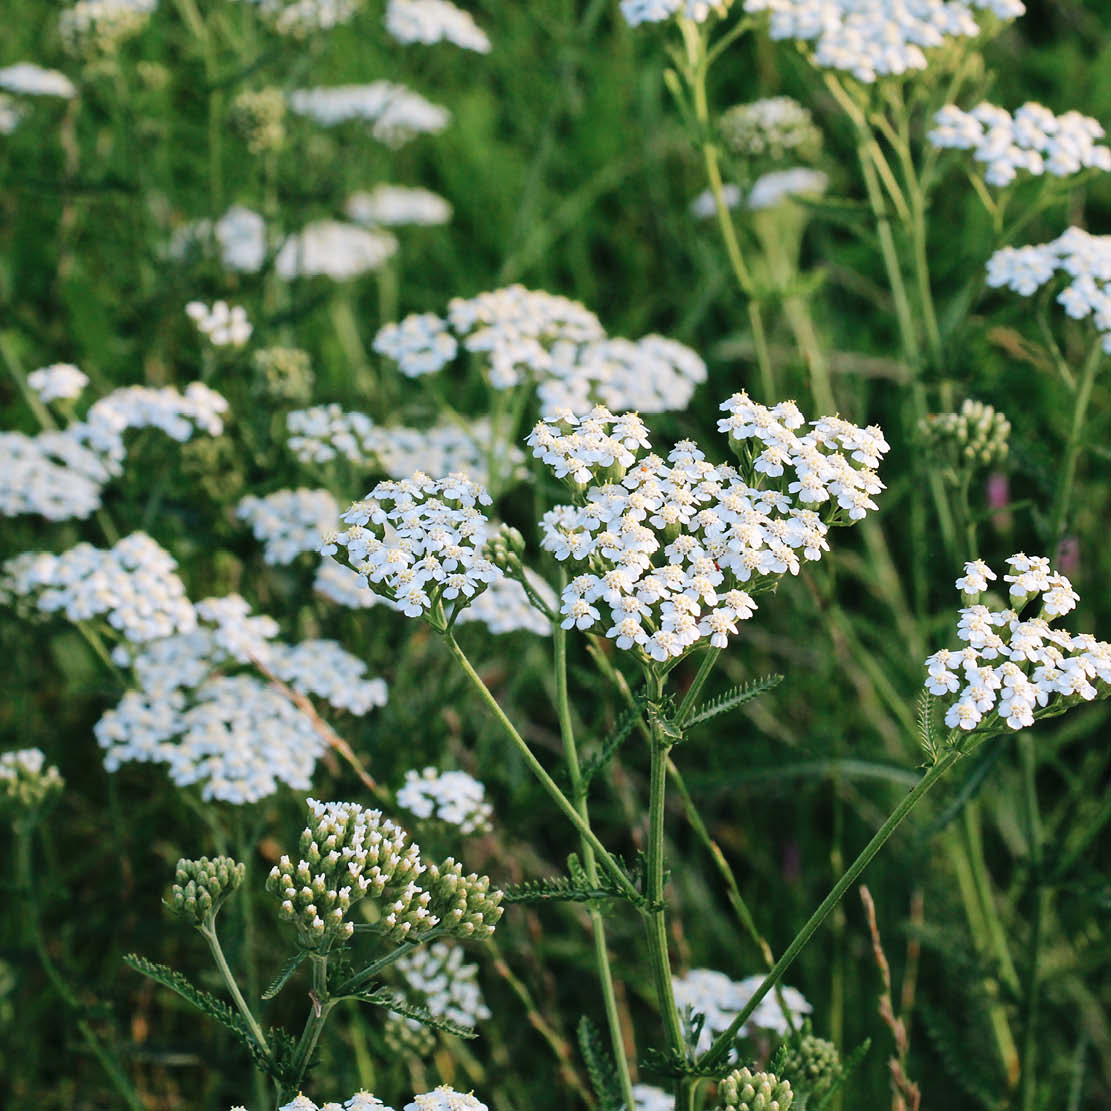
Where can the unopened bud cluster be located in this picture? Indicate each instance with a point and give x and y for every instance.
(95, 28)
(813, 1065)
(201, 886)
(745, 1090)
(975, 436)
(772, 128)
(258, 117)
(284, 374)
(463, 905)
(505, 549)
(26, 780)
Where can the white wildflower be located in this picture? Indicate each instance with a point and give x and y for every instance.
(432, 21)
(334, 250)
(58, 382)
(28, 79)
(223, 325)
(398, 205)
(453, 797)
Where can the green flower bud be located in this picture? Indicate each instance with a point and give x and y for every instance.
(812, 1065)
(258, 117)
(745, 1090)
(284, 374)
(464, 905)
(201, 886)
(975, 437)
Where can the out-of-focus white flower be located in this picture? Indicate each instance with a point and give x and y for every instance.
(704, 206)
(301, 18)
(876, 38)
(1085, 258)
(431, 21)
(637, 12)
(1032, 141)
(446, 1099)
(396, 114)
(240, 236)
(648, 1098)
(397, 205)
(453, 797)
(289, 522)
(58, 382)
(11, 113)
(28, 79)
(771, 128)
(780, 185)
(93, 27)
(1013, 671)
(223, 325)
(331, 249)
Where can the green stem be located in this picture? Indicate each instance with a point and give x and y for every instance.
(718, 1051)
(597, 926)
(1072, 449)
(656, 922)
(208, 932)
(314, 1024)
(1028, 1087)
(108, 1062)
(557, 796)
(686, 707)
(253, 987)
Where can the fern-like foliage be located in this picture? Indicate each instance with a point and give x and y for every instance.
(383, 997)
(966, 1061)
(731, 699)
(284, 974)
(672, 1064)
(925, 715)
(563, 889)
(608, 750)
(600, 1067)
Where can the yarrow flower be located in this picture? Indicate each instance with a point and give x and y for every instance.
(1085, 258)
(396, 114)
(289, 522)
(239, 235)
(445, 1098)
(706, 992)
(452, 797)
(772, 128)
(876, 38)
(745, 1090)
(1032, 141)
(26, 780)
(98, 27)
(648, 1098)
(60, 474)
(398, 205)
(360, 1101)
(1014, 671)
(28, 79)
(301, 18)
(975, 436)
(419, 543)
(223, 325)
(235, 735)
(778, 186)
(59, 382)
(332, 249)
(637, 12)
(528, 336)
(675, 548)
(432, 21)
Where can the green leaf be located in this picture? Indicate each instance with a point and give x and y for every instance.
(926, 724)
(284, 975)
(565, 889)
(599, 1067)
(732, 698)
(383, 997)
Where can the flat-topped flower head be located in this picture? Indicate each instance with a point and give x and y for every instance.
(674, 548)
(445, 1098)
(440, 979)
(637, 12)
(432, 21)
(1033, 141)
(59, 382)
(360, 1101)
(394, 113)
(398, 205)
(289, 522)
(772, 128)
(27, 781)
(529, 337)
(333, 249)
(223, 325)
(871, 39)
(1014, 670)
(452, 797)
(419, 543)
(1083, 257)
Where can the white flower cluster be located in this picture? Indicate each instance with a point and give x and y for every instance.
(289, 522)
(648, 1098)
(300, 18)
(419, 543)
(327, 432)
(398, 205)
(339, 584)
(1013, 670)
(525, 335)
(876, 38)
(396, 114)
(27, 781)
(58, 382)
(453, 797)
(1033, 140)
(133, 585)
(239, 235)
(444, 982)
(223, 325)
(669, 543)
(236, 735)
(60, 475)
(432, 21)
(773, 127)
(1084, 257)
(768, 190)
(506, 607)
(28, 79)
(333, 249)
(637, 12)
(712, 994)
(99, 26)
(442, 1098)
